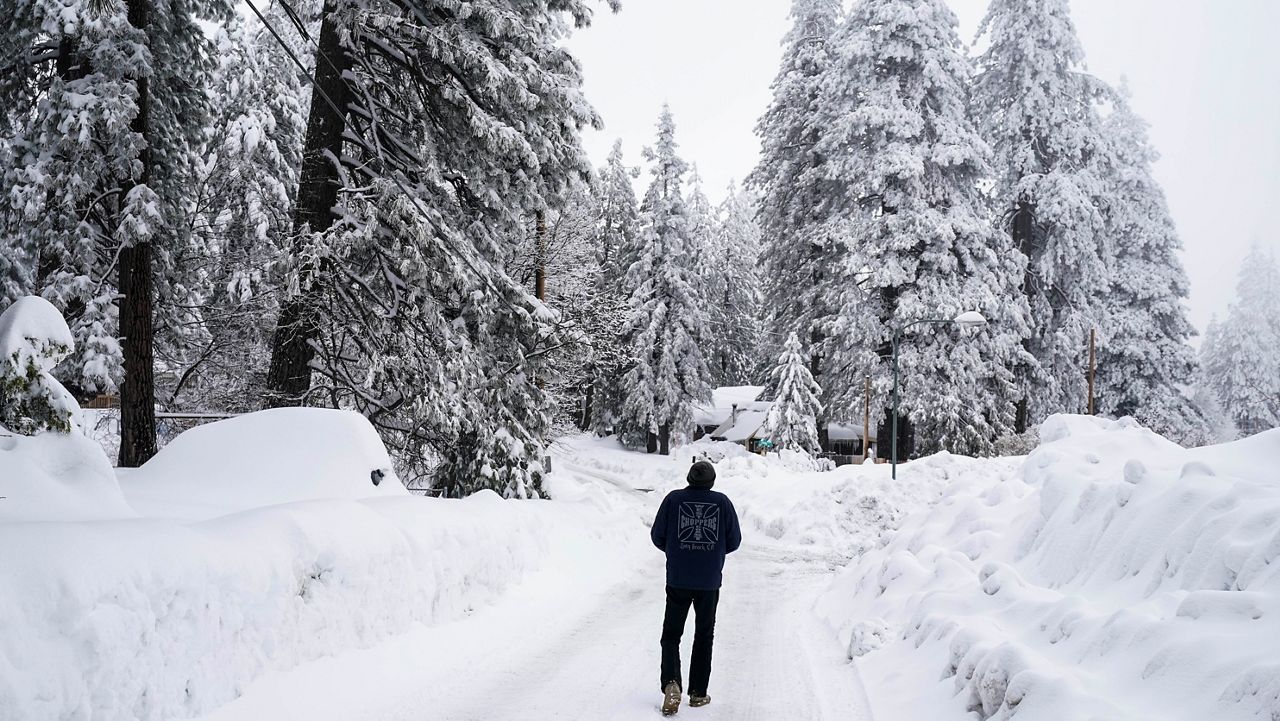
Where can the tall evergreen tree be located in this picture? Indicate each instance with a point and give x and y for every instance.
(240, 216)
(1144, 359)
(461, 125)
(618, 247)
(792, 419)
(619, 217)
(666, 331)
(105, 108)
(1037, 107)
(1240, 359)
(901, 146)
(733, 292)
(790, 181)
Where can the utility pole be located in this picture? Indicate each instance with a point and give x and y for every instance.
(1093, 365)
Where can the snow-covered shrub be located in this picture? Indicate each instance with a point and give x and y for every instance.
(1018, 444)
(33, 339)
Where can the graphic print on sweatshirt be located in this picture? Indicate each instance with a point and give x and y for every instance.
(699, 525)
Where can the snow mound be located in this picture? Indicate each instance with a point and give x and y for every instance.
(284, 455)
(57, 477)
(1113, 575)
(162, 617)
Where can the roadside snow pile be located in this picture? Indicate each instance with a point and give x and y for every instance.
(156, 618)
(782, 499)
(48, 470)
(1114, 576)
(57, 477)
(262, 459)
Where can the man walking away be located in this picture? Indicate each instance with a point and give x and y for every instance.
(696, 527)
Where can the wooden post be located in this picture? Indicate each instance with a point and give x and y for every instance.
(866, 419)
(1093, 362)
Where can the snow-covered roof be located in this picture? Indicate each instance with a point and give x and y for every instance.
(844, 432)
(722, 402)
(751, 417)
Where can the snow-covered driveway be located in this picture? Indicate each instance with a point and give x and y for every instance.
(581, 642)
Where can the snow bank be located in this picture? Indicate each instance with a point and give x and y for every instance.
(786, 499)
(57, 477)
(46, 475)
(166, 617)
(1114, 575)
(262, 459)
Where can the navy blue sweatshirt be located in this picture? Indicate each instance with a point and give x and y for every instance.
(696, 527)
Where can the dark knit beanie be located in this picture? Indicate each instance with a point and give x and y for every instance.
(702, 475)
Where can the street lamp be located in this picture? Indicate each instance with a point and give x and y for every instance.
(968, 319)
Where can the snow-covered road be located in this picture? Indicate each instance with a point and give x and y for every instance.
(573, 642)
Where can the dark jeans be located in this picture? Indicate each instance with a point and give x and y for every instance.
(704, 625)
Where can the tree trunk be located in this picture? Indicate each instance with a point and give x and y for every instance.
(664, 439)
(137, 392)
(289, 377)
(588, 399)
(651, 445)
(1022, 229)
(815, 366)
(540, 270)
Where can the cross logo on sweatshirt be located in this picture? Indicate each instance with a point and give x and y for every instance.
(699, 522)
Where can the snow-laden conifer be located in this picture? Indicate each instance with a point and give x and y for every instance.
(792, 419)
(666, 332)
(733, 292)
(794, 196)
(617, 247)
(618, 217)
(463, 125)
(1239, 356)
(909, 163)
(1037, 107)
(1144, 358)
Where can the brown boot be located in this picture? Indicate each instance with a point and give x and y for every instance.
(670, 698)
(695, 700)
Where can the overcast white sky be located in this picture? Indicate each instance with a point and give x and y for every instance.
(1205, 74)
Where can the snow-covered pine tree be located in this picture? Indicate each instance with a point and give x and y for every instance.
(619, 218)
(790, 183)
(1222, 428)
(792, 419)
(58, 154)
(104, 104)
(733, 292)
(1240, 359)
(618, 232)
(1037, 107)
(666, 331)
(909, 162)
(464, 126)
(241, 213)
(1144, 358)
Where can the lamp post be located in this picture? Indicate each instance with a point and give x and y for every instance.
(970, 319)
